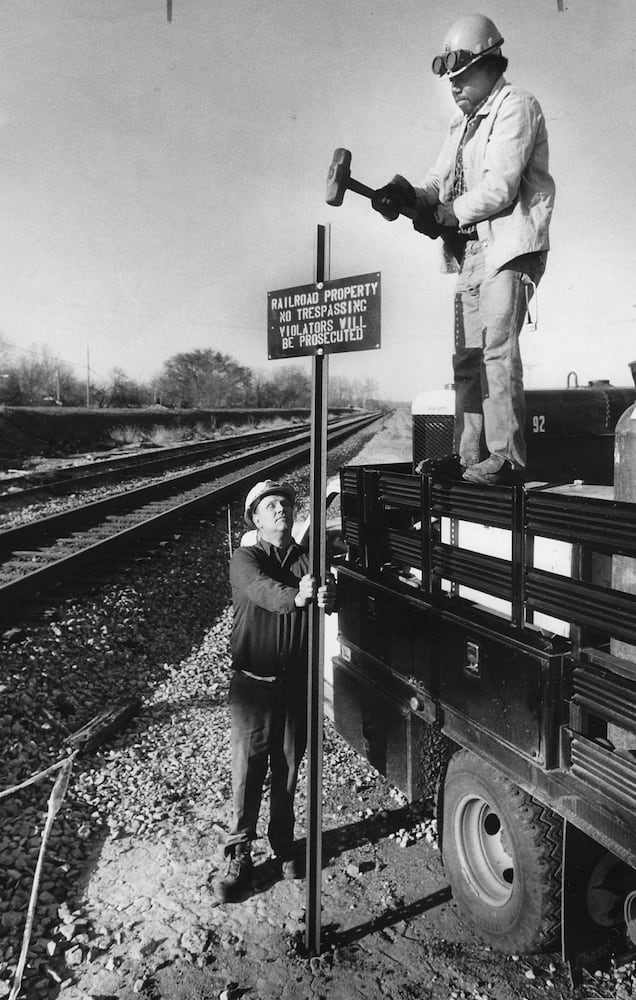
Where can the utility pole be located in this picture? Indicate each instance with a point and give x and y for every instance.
(88, 379)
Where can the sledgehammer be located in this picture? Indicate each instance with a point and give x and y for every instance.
(339, 180)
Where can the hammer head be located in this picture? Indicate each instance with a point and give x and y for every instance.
(338, 176)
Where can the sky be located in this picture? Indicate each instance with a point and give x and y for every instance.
(158, 179)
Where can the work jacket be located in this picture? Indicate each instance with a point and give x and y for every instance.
(509, 190)
(269, 632)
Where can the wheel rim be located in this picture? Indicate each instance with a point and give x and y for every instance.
(480, 839)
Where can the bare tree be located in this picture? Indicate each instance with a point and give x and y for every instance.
(204, 378)
(38, 374)
(124, 391)
(352, 392)
(10, 389)
(290, 387)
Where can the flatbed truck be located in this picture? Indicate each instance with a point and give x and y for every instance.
(487, 661)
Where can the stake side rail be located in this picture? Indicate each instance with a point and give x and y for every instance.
(534, 745)
(393, 523)
(396, 526)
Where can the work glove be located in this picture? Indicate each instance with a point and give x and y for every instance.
(445, 215)
(394, 196)
(425, 222)
(433, 220)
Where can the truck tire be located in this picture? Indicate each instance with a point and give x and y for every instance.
(502, 855)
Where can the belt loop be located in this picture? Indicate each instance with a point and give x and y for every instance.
(530, 288)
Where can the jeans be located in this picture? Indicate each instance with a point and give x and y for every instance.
(488, 373)
(268, 728)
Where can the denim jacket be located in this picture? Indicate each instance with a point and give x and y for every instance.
(509, 191)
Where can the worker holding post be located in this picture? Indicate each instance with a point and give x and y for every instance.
(272, 589)
(489, 197)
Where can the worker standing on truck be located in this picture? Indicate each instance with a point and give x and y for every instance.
(489, 196)
(272, 589)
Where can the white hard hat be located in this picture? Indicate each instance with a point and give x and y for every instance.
(265, 489)
(470, 38)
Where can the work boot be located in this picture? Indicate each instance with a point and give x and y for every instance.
(446, 467)
(494, 471)
(238, 875)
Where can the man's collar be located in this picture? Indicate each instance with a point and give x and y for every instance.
(488, 101)
(268, 546)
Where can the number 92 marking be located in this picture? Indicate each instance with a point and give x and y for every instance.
(538, 423)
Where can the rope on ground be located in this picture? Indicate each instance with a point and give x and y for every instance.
(55, 801)
(86, 740)
(36, 777)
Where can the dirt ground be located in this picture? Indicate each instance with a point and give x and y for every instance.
(389, 926)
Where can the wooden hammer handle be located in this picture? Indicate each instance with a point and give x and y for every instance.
(368, 192)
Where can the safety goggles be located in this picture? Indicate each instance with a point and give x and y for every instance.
(460, 59)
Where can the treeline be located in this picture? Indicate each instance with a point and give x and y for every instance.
(199, 379)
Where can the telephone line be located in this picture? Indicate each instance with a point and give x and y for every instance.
(39, 354)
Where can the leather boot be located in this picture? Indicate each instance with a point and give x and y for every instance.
(238, 874)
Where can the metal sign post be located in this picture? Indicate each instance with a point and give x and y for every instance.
(315, 709)
(327, 317)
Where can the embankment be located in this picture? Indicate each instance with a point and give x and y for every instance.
(55, 431)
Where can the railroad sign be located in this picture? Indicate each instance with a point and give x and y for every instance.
(328, 317)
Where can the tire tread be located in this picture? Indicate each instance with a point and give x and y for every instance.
(542, 828)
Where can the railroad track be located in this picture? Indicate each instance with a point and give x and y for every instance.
(54, 549)
(18, 491)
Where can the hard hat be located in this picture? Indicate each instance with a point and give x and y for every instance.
(265, 489)
(470, 38)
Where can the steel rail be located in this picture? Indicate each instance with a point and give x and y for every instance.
(31, 487)
(36, 555)
(31, 484)
(46, 527)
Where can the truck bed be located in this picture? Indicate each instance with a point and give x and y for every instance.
(491, 616)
